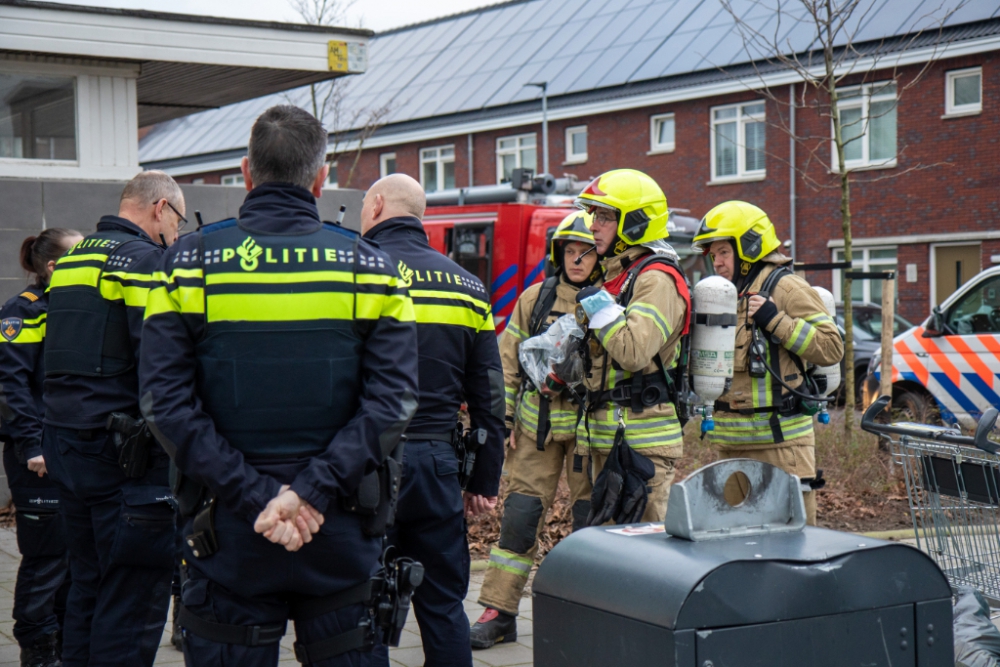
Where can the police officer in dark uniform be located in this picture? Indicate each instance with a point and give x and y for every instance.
(278, 370)
(459, 362)
(43, 576)
(113, 491)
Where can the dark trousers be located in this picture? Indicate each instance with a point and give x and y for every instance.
(251, 581)
(430, 528)
(121, 543)
(43, 576)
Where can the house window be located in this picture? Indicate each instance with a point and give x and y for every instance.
(37, 117)
(437, 168)
(868, 125)
(661, 133)
(515, 153)
(738, 141)
(386, 164)
(233, 179)
(867, 260)
(333, 178)
(576, 144)
(964, 91)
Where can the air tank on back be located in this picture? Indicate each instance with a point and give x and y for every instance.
(828, 377)
(712, 344)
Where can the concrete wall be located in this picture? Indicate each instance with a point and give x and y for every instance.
(28, 206)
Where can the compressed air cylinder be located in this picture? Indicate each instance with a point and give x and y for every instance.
(712, 343)
(831, 374)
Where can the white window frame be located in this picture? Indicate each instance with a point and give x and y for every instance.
(571, 157)
(654, 145)
(383, 168)
(426, 158)
(233, 180)
(335, 184)
(516, 151)
(864, 101)
(741, 120)
(950, 110)
(863, 262)
(25, 69)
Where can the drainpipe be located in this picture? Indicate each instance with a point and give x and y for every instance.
(471, 182)
(791, 166)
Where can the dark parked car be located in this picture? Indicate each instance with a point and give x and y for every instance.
(867, 337)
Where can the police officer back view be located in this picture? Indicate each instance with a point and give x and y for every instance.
(459, 361)
(279, 367)
(112, 480)
(43, 576)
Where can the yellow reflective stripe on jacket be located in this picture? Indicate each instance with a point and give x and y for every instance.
(32, 331)
(801, 336)
(396, 305)
(640, 432)
(282, 307)
(562, 422)
(651, 312)
(510, 398)
(132, 288)
(609, 330)
(284, 278)
(736, 430)
(71, 277)
(170, 297)
(515, 331)
(465, 311)
(441, 294)
(818, 319)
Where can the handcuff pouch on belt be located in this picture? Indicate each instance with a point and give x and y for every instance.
(377, 495)
(467, 444)
(133, 441)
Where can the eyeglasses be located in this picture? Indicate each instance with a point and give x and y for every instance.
(181, 219)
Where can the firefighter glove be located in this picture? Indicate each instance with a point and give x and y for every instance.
(765, 314)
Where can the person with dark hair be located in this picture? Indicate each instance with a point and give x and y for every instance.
(43, 576)
(279, 372)
(114, 494)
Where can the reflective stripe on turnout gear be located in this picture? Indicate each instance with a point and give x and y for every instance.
(740, 430)
(508, 561)
(563, 422)
(640, 432)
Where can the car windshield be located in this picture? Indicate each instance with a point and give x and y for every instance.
(868, 321)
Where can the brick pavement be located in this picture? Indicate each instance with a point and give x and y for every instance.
(409, 653)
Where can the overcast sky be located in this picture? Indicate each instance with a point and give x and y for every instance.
(373, 14)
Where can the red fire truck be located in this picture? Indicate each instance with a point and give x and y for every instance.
(505, 241)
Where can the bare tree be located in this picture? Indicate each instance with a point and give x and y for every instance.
(832, 60)
(329, 101)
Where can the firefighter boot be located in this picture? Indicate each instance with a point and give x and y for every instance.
(177, 633)
(493, 627)
(43, 652)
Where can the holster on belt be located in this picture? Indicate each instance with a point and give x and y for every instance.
(134, 442)
(377, 495)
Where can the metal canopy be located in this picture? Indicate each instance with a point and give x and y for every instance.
(185, 63)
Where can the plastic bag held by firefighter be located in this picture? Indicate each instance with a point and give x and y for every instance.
(554, 354)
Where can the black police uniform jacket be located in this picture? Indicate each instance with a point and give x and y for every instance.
(277, 336)
(97, 299)
(22, 372)
(459, 356)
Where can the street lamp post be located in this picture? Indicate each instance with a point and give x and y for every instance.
(544, 85)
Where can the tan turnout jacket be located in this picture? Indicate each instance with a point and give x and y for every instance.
(651, 325)
(802, 326)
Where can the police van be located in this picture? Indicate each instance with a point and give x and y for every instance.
(951, 363)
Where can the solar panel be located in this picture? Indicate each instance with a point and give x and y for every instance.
(483, 58)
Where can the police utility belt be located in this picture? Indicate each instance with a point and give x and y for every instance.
(133, 441)
(386, 596)
(465, 443)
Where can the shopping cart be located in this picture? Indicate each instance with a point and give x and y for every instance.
(953, 485)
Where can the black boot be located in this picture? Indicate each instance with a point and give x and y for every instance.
(43, 652)
(493, 627)
(177, 633)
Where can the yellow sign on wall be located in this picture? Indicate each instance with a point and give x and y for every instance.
(347, 56)
(337, 56)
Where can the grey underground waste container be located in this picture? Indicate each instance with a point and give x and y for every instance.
(744, 586)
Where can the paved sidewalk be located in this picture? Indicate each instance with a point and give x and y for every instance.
(409, 653)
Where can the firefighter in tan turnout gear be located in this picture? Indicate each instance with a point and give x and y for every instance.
(543, 434)
(637, 324)
(783, 327)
